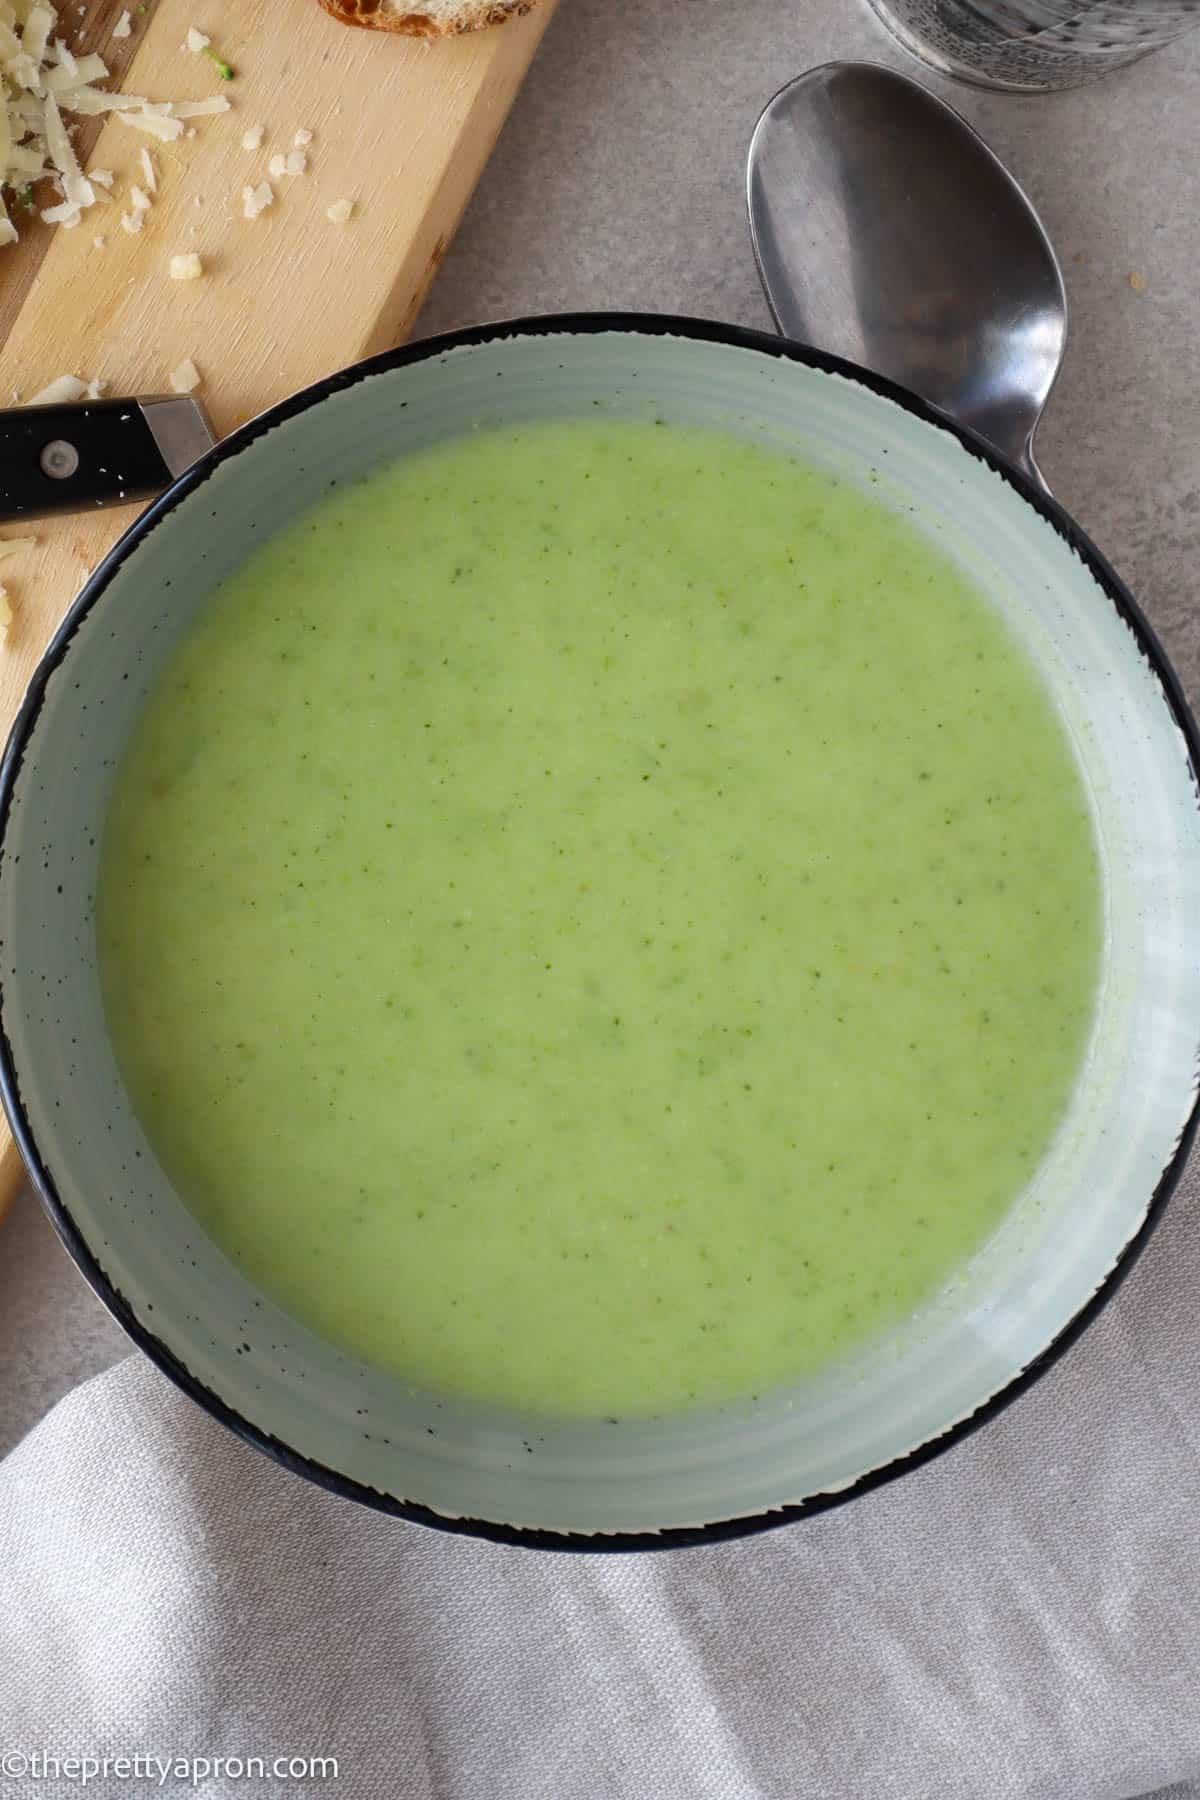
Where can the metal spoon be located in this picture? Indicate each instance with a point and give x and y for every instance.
(887, 232)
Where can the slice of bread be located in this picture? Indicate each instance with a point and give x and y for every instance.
(426, 18)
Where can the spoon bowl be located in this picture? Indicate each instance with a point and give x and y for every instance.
(888, 233)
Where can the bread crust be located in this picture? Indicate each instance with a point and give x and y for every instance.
(473, 16)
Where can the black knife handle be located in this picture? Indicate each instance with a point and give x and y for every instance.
(71, 457)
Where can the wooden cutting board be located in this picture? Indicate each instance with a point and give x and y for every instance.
(401, 127)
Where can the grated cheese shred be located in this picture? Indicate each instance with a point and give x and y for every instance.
(256, 199)
(42, 84)
(186, 378)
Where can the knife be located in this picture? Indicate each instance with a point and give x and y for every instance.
(70, 457)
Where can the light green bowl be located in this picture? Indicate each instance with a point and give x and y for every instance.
(638, 1483)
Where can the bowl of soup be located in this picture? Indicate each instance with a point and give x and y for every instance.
(600, 932)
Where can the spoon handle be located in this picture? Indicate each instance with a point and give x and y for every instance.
(1026, 462)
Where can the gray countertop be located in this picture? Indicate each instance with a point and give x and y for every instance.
(618, 182)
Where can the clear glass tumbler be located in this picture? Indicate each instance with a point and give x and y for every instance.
(1027, 45)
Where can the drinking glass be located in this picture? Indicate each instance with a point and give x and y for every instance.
(1028, 45)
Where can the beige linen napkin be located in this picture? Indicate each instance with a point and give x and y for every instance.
(1020, 1620)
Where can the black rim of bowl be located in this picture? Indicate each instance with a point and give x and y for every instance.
(427, 350)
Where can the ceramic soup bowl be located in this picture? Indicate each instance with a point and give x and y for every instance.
(425, 1456)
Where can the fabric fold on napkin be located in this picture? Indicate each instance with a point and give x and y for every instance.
(1019, 1620)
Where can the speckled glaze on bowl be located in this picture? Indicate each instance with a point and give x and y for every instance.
(611, 1484)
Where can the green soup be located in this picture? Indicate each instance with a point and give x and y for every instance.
(599, 919)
